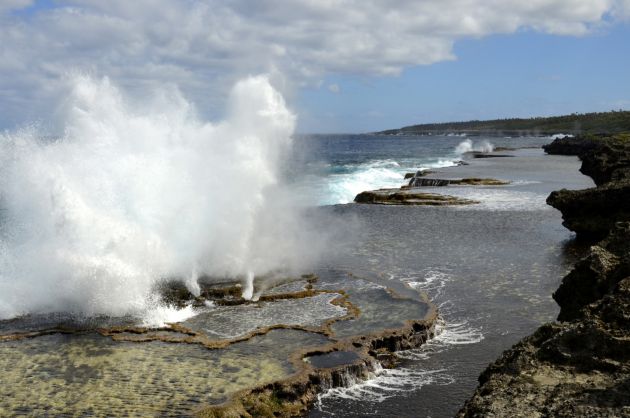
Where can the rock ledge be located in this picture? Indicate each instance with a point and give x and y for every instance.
(579, 366)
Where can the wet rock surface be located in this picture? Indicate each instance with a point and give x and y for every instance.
(487, 155)
(234, 357)
(409, 194)
(580, 365)
(591, 213)
(609, 161)
(570, 146)
(473, 181)
(409, 197)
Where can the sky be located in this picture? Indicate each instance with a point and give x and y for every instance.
(342, 65)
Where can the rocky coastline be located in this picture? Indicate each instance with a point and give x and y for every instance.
(414, 192)
(580, 364)
(318, 354)
(293, 396)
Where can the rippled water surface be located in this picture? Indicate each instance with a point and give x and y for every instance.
(90, 375)
(491, 269)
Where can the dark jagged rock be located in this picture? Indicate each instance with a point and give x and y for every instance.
(570, 145)
(562, 370)
(604, 158)
(591, 213)
(581, 365)
(595, 275)
(609, 161)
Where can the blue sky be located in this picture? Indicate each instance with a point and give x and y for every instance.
(342, 65)
(518, 75)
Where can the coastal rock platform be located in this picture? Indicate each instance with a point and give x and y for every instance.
(409, 197)
(471, 181)
(411, 193)
(233, 357)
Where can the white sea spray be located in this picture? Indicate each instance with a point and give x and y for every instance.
(131, 195)
(468, 146)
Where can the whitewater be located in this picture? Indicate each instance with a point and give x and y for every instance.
(130, 195)
(351, 164)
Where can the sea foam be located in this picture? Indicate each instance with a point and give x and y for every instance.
(131, 195)
(372, 175)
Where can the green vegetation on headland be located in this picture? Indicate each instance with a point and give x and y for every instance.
(576, 123)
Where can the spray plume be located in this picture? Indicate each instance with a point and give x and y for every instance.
(468, 146)
(131, 195)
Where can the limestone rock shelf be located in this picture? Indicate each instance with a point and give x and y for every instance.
(235, 358)
(409, 197)
(414, 192)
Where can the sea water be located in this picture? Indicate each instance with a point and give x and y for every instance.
(127, 196)
(490, 268)
(333, 169)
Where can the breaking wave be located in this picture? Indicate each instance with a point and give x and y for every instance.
(131, 195)
(384, 384)
(372, 175)
(447, 334)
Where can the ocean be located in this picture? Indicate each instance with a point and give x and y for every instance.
(333, 169)
(490, 268)
(90, 226)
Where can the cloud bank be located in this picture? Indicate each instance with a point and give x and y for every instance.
(204, 46)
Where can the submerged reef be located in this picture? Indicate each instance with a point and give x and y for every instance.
(579, 365)
(233, 358)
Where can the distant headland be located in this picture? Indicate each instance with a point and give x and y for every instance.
(574, 124)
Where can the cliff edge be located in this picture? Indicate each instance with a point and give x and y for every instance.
(579, 365)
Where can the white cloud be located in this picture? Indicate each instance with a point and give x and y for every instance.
(203, 46)
(10, 5)
(622, 9)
